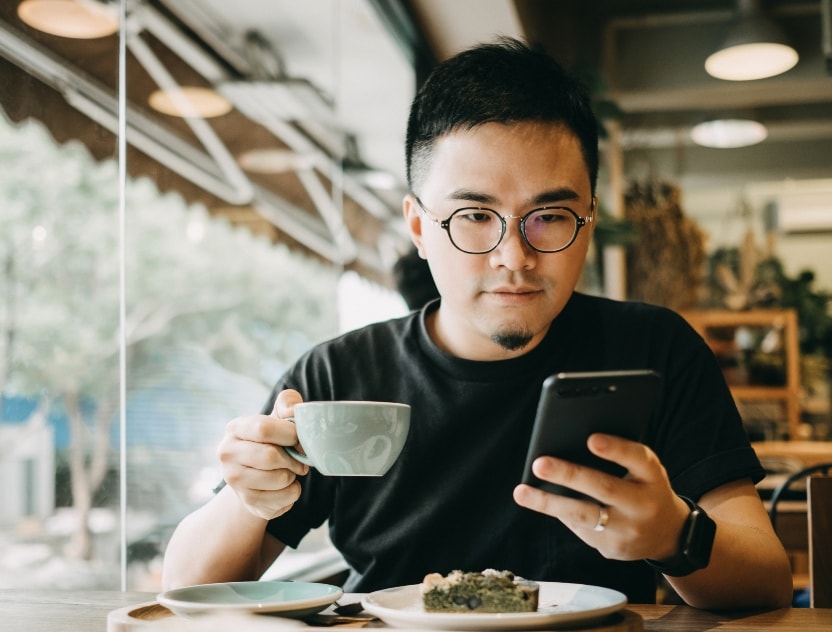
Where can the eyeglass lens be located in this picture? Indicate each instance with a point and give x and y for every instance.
(478, 230)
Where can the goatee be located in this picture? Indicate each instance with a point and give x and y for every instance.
(512, 340)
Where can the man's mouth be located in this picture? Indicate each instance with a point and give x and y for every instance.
(513, 290)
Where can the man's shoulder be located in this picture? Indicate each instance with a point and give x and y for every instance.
(588, 304)
(385, 334)
(364, 351)
(392, 327)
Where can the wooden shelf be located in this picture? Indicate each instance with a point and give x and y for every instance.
(760, 393)
(707, 322)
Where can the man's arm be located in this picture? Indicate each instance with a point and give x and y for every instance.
(644, 519)
(749, 566)
(219, 542)
(226, 539)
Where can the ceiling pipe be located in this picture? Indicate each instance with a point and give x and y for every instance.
(201, 129)
(157, 142)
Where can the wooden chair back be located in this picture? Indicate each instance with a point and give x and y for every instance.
(819, 510)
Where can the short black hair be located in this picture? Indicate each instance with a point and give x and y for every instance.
(505, 81)
(414, 280)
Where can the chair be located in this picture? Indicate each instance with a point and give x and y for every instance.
(819, 528)
(819, 508)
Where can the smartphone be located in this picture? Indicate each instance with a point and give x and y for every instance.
(573, 406)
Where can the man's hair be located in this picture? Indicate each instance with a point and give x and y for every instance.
(501, 82)
(414, 280)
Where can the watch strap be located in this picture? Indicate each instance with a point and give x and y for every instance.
(695, 544)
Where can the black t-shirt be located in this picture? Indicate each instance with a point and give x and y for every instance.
(447, 501)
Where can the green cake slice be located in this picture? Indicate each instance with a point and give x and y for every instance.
(488, 591)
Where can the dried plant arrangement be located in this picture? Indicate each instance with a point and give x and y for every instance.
(665, 266)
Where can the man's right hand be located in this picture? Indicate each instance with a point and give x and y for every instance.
(255, 465)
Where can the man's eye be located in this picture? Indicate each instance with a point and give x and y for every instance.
(550, 217)
(475, 216)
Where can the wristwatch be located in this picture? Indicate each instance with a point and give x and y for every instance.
(695, 544)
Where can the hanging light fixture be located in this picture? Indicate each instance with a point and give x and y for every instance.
(271, 160)
(78, 19)
(728, 133)
(754, 48)
(190, 101)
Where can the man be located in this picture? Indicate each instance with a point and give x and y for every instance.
(502, 159)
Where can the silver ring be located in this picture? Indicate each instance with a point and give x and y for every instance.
(603, 519)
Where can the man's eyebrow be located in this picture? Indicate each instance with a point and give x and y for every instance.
(552, 196)
(467, 195)
(555, 195)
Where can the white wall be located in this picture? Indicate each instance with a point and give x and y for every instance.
(726, 215)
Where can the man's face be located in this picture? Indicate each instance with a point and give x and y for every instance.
(500, 304)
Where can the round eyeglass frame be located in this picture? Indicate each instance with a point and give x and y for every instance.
(445, 224)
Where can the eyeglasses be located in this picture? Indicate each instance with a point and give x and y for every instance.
(477, 230)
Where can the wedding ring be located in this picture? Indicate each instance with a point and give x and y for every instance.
(603, 518)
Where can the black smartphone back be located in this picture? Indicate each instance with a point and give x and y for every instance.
(573, 406)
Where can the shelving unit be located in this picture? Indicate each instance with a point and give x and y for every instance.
(706, 322)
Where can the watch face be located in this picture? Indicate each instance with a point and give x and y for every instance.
(695, 544)
(699, 538)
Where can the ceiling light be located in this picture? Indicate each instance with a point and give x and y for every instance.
(274, 160)
(190, 101)
(728, 133)
(78, 19)
(754, 48)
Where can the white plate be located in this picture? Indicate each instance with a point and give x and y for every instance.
(288, 599)
(560, 604)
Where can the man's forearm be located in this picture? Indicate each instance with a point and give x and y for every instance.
(748, 569)
(221, 541)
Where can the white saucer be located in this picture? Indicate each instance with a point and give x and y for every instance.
(287, 599)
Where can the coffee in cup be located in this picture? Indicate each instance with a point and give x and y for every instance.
(350, 438)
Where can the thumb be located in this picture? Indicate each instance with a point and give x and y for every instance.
(285, 402)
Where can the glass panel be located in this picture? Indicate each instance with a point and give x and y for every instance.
(229, 272)
(217, 305)
(214, 316)
(59, 318)
(214, 312)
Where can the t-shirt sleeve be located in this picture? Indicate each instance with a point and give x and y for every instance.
(699, 434)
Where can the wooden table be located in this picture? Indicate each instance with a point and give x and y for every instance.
(86, 611)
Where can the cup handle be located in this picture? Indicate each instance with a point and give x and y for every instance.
(294, 453)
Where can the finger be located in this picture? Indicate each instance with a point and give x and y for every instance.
(262, 429)
(580, 478)
(284, 403)
(257, 441)
(577, 515)
(254, 480)
(258, 456)
(271, 504)
(641, 462)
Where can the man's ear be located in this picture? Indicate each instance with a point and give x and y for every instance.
(413, 221)
(593, 213)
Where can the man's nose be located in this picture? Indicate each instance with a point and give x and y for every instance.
(513, 251)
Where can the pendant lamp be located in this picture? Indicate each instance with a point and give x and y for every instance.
(753, 48)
